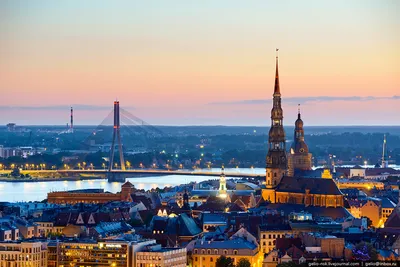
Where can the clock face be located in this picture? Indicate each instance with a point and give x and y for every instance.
(283, 159)
(301, 150)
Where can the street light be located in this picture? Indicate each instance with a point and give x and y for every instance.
(103, 165)
(128, 164)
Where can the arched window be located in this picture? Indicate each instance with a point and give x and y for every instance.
(225, 252)
(195, 251)
(208, 251)
(235, 252)
(203, 251)
(216, 251)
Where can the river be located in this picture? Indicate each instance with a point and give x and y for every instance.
(37, 191)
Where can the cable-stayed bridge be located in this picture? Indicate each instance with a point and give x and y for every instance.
(120, 134)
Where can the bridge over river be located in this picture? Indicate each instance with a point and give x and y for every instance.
(117, 175)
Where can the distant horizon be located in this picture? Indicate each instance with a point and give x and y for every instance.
(194, 125)
(201, 62)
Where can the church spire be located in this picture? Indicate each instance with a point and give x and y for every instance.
(277, 90)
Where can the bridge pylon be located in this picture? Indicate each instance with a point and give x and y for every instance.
(116, 138)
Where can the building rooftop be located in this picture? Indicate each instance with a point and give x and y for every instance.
(315, 185)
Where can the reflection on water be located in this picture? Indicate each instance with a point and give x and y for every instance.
(37, 191)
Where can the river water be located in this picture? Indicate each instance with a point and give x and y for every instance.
(37, 191)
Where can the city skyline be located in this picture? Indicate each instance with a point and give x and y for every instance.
(210, 64)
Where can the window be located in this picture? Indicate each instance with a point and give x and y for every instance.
(263, 235)
(195, 251)
(195, 258)
(208, 251)
(269, 236)
(211, 259)
(225, 252)
(216, 251)
(203, 251)
(235, 252)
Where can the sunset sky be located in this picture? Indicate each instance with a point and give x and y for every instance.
(200, 62)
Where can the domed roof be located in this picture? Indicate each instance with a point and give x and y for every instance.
(299, 123)
(300, 147)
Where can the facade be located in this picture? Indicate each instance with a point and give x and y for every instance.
(108, 253)
(269, 234)
(162, 257)
(206, 253)
(299, 157)
(17, 254)
(377, 210)
(90, 196)
(333, 246)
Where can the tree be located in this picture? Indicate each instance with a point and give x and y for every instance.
(364, 252)
(243, 262)
(224, 262)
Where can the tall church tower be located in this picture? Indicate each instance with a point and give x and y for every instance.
(299, 158)
(222, 183)
(276, 157)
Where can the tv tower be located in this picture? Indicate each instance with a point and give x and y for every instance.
(72, 121)
(385, 162)
(116, 134)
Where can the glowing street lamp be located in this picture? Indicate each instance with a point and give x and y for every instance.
(141, 165)
(103, 165)
(128, 164)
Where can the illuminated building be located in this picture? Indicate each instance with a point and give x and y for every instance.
(155, 255)
(269, 234)
(108, 253)
(206, 253)
(93, 196)
(15, 254)
(299, 158)
(377, 210)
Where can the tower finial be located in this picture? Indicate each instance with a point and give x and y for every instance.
(298, 111)
(277, 90)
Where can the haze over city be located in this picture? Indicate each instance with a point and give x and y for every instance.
(199, 63)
